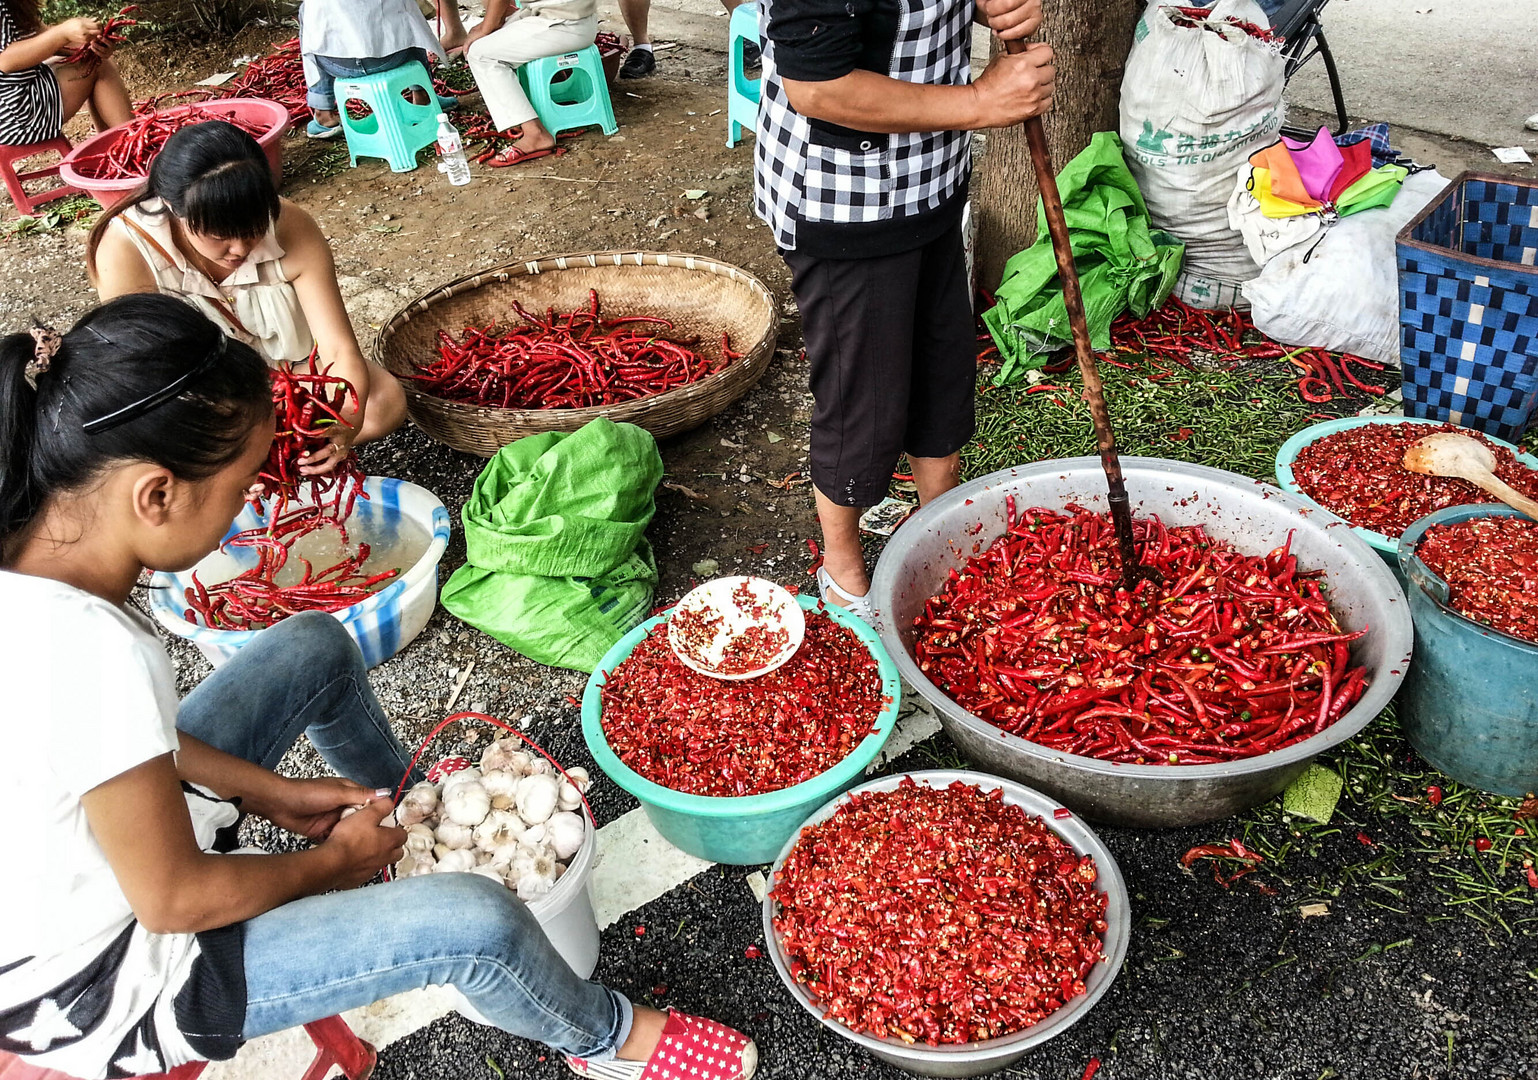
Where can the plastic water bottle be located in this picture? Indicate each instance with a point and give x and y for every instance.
(451, 153)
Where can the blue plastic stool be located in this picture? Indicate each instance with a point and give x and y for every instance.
(741, 92)
(569, 91)
(396, 128)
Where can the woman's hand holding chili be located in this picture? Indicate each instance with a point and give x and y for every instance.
(1015, 87)
(77, 33)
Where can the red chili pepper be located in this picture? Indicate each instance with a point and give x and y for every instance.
(1237, 656)
(1434, 795)
(1359, 474)
(111, 34)
(1491, 569)
(1482, 843)
(138, 141)
(1091, 1069)
(1363, 839)
(938, 915)
(752, 952)
(1532, 875)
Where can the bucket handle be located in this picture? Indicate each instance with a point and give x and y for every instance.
(421, 749)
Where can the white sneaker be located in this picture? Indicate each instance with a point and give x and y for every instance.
(855, 605)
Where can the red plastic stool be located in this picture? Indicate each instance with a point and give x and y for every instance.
(9, 155)
(335, 1044)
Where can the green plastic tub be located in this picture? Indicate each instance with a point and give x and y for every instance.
(753, 828)
(1387, 547)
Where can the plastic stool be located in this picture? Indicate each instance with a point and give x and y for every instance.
(396, 128)
(335, 1045)
(10, 155)
(741, 92)
(579, 98)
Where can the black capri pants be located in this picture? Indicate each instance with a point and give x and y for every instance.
(892, 349)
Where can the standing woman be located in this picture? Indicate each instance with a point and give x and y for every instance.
(860, 168)
(38, 92)
(128, 943)
(209, 227)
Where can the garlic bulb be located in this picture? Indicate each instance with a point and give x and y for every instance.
(456, 861)
(415, 865)
(569, 797)
(453, 835)
(420, 840)
(505, 755)
(463, 776)
(501, 828)
(418, 804)
(466, 803)
(564, 832)
(537, 879)
(489, 871)
(538, 766)
(579, 776)
(534, 838)
(536, 797)
(500, 784)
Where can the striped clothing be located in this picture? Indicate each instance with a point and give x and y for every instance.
(31, 107)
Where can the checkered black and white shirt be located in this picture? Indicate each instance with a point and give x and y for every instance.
(835, 192)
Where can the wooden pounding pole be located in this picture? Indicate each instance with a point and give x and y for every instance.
(1089, 370)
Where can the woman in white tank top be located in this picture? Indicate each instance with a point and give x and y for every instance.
(209, 227)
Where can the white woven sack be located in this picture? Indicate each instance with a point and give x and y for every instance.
(1194, 105)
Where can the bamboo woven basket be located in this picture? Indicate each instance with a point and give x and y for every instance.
(702, 297)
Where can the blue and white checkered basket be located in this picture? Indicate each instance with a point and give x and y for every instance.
(382, 625)
(1468, 314)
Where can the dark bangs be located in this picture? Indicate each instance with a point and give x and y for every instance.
(236, 200)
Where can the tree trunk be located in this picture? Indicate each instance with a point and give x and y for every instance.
(1090, 41)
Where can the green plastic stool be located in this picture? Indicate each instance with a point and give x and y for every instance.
(569, 91)
(741, 92)
(395, 129)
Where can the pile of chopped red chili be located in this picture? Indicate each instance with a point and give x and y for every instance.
(705, 736)
(1491, 569)
(575, 360)
(1231, 656)
(1359, 474)
(139, 140)
(941, 915)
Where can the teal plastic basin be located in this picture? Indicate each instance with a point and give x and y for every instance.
(749, 829)
(1387, 547)
(1469, 703)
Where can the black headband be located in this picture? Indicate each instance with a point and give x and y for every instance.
(153, 401)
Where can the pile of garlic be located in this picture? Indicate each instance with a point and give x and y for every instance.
(513, 819)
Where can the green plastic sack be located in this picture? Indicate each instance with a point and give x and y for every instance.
(555, 532)
(1122, 263)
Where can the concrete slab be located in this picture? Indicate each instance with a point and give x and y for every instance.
(1467, 69)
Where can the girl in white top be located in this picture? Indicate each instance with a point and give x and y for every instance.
(209, 227)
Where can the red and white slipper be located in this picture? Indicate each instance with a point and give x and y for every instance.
(691, 1048)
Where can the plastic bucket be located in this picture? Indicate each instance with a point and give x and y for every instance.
(251, 110)
(988, 1055)
(753, 828)
(1470, 702)
(382, 625)
(1385, 546)
(565, 913)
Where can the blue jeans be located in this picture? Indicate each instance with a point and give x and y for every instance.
(322, 96)
(323, 954)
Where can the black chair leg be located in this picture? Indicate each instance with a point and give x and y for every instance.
(1334, 74)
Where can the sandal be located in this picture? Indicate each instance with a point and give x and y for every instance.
(514, 155)
(691, 1048)
(855, 605)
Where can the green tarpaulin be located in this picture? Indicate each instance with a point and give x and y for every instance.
(555, 533)
(1122, 263)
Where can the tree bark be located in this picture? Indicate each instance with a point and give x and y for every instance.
(1090, 41)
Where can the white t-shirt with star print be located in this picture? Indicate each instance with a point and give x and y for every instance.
(86, 693)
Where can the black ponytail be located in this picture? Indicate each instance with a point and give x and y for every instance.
(120, 353)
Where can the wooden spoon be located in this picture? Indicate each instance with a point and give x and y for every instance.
(1450, 454)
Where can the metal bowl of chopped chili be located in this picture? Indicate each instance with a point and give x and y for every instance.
(727, 770)
(1350, 593)
(1352, 467)
(999, 959)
